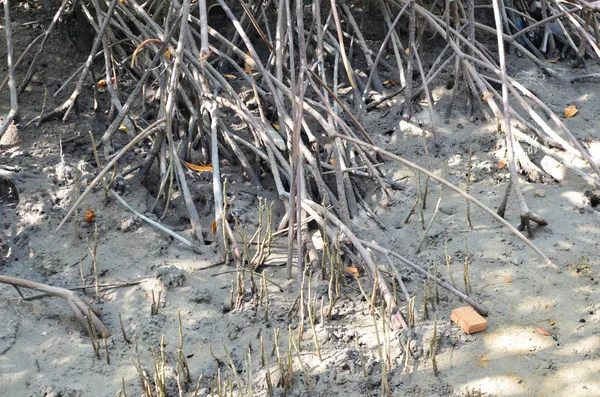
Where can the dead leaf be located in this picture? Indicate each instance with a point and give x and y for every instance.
(101, 83)
(213, 229)
(276, 126)
(89, 216)
(553, 60)
(407, 51)
(199, 168)
(543, 331)
(501, 164)
(122, 128)
(389, 82)
(570, 111)
(168, 54)
(230, 76)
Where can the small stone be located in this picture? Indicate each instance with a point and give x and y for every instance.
(563, 246)
(517, 261)
(129, 224)
(539, 193)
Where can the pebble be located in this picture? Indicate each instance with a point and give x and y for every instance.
(539, 193)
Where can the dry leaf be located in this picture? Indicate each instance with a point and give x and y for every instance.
(352, 270)
(89, 216)
(551, 322)
(407, 51)
(501, 164)
(570, 111)
(230, 76)
(276, 126)
(122, 128)
(199, 168)
(332, 161)
(543, 331)
(553, 60)
(213, 229)
(101, 83)
(389, 82)
(168, 54)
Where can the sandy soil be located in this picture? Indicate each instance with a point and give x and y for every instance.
(543, 334)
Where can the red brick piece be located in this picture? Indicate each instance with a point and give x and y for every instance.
(468, 320)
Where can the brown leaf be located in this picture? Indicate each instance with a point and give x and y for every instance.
(570, 111)
(213, 229)
(543, 331)
(501, 164)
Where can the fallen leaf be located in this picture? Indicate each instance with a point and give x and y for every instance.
(230, 76)
(352, 270)
(389, 82)
(407, 51)
(167, 54)
(553, 60)
(122, 128)
(501, 164)
(101, 83)
(276, 126)
(213, 229)
(570, 111)
(89, 216)
(199, 168)
(543, 331)
(332, 161)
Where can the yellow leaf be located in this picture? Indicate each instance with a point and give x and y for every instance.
(570, 111)
(230, 76)
(407, 51)
(167, 54)
(101, 83)
(213, 229)
(332, 161)
(352, 270)
(276, 126)
(122, 128)
(389, 82)
(199, 168)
